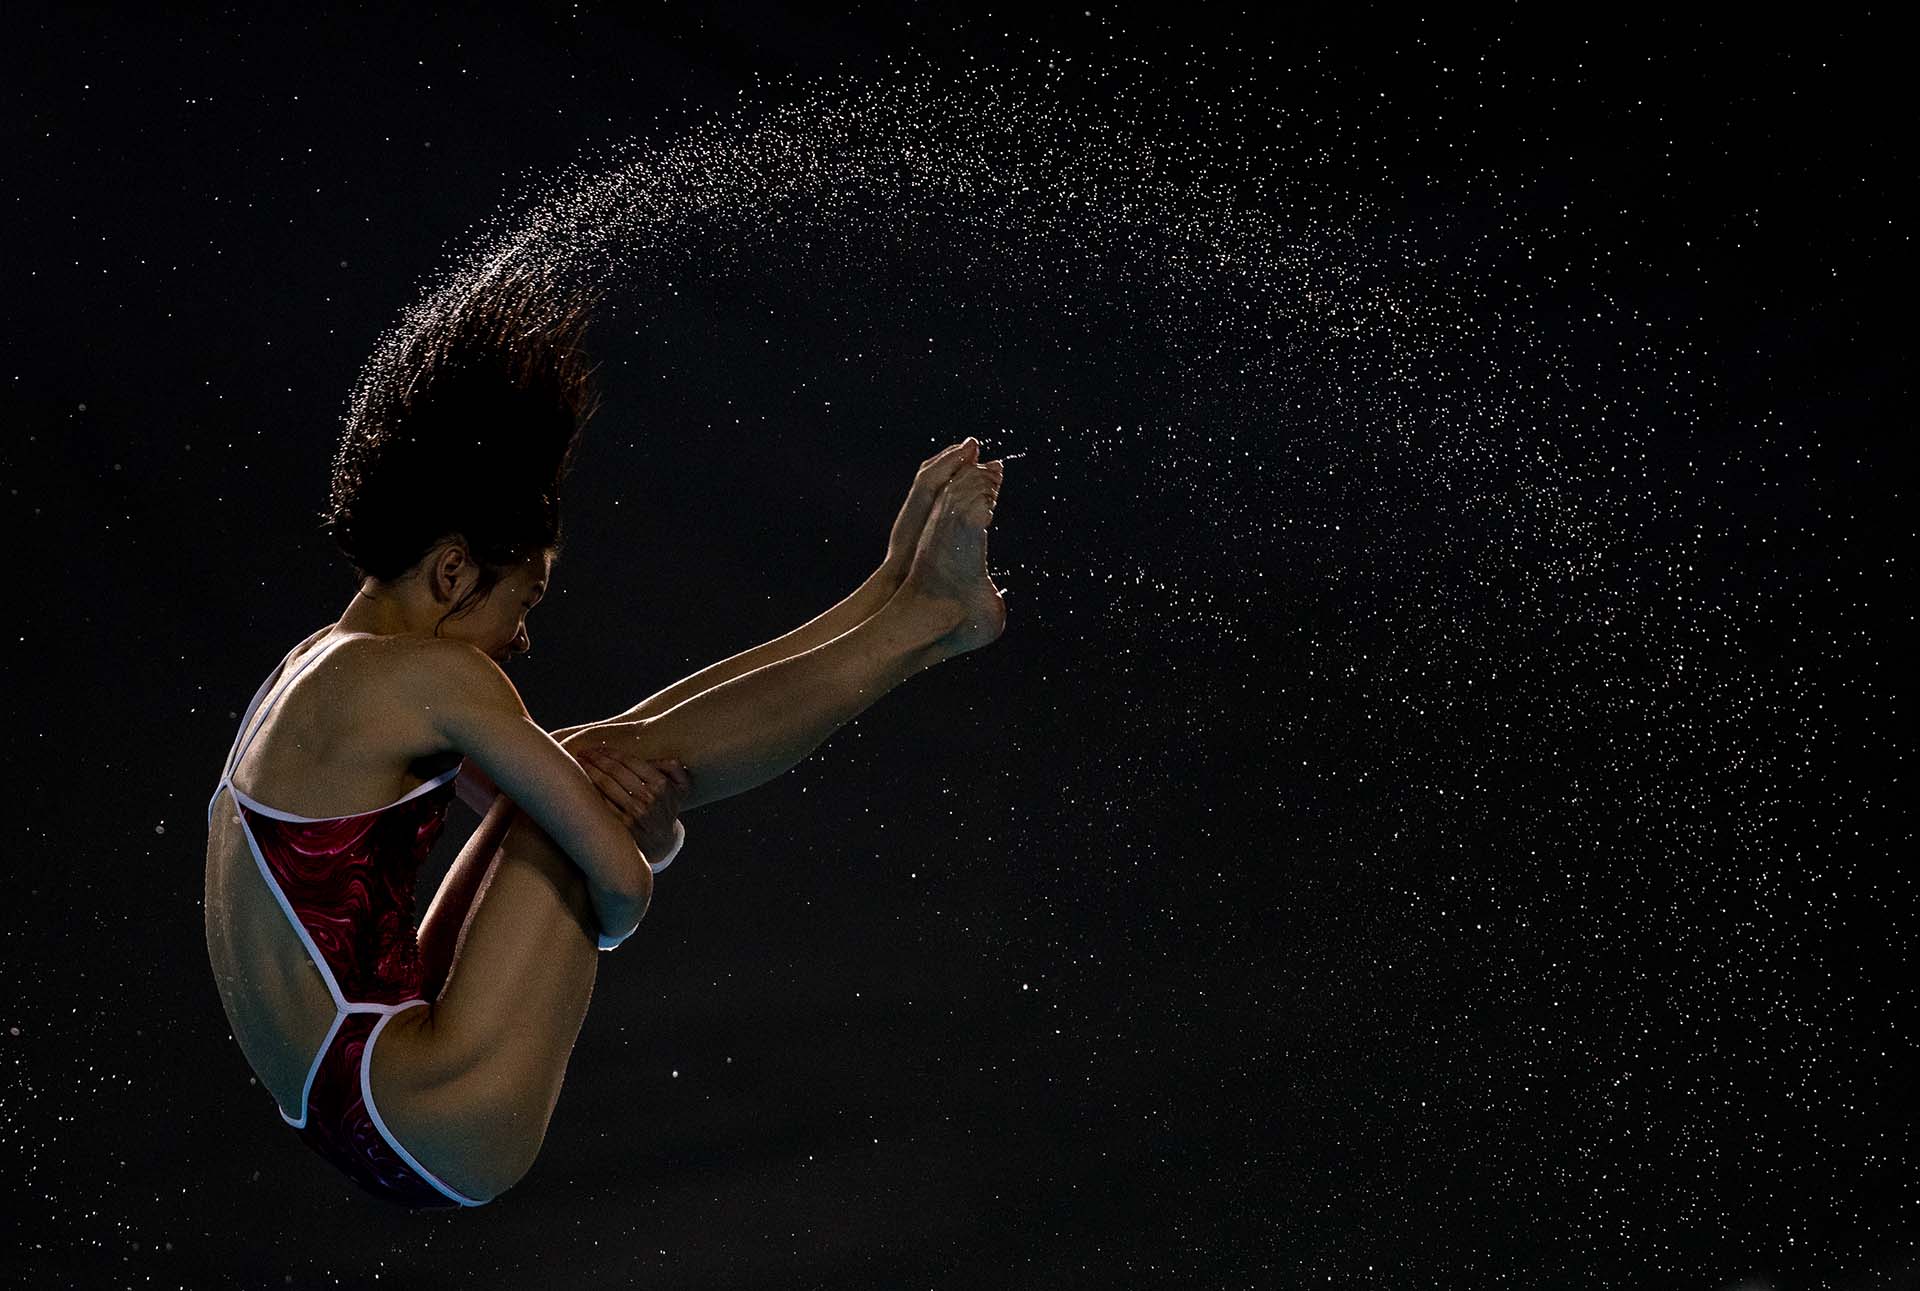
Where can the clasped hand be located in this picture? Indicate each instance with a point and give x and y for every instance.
(647, 795)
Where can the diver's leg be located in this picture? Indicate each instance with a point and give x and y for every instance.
(438, 938)
(932, 476)
(743, 732)
(469, 1084)
(446, 914)
(731, 737)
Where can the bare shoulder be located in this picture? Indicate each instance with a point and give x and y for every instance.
(411, 687)
(438, 679)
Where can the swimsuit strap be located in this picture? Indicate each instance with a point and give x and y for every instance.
(240, 749)
(253, 706)
(276, 681)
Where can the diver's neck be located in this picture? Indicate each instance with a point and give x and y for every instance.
(386, 612)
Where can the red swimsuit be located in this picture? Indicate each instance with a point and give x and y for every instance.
(346, 883)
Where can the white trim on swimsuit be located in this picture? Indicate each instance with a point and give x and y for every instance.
(342, 1005)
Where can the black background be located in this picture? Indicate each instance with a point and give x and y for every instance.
(1054, 969)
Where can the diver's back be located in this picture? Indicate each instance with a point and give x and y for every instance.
(309, 892)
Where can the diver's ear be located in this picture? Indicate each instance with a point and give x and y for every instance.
(451, 565)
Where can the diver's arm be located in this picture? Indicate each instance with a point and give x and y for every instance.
(464, 702)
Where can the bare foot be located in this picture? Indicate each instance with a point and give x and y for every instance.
(933, 475)
(949, 567)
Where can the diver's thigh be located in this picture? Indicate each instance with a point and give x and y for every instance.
(469, 1089)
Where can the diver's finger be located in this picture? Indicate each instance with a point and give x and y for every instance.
(615, 794)
(623, 772)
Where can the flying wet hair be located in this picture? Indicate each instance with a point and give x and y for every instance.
(464, 422)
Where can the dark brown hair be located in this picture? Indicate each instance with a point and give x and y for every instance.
(464, 422)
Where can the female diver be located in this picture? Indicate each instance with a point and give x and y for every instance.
(445, 497)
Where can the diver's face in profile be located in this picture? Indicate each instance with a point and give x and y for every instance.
(497, 622)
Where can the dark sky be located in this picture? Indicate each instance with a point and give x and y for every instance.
(1434, 819)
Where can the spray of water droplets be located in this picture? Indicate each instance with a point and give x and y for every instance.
(1319, 498)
